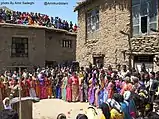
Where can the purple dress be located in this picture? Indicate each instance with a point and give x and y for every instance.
(91, 92)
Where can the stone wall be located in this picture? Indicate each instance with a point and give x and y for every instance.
(107, 40)
(145, 44)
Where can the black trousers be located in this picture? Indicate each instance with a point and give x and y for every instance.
(152, 96)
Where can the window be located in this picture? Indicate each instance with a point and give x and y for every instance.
(144, 58)
(98, 61)
(67, 43)
(144, 16)
(93, 20)
(19, 47)
(144, 24)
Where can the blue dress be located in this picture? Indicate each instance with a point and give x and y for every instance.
(102, 97)
(125, 109)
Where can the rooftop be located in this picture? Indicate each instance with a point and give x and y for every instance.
(8, 25)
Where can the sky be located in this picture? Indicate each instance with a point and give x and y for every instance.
(65, 12)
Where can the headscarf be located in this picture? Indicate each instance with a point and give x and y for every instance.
(81, 116)
(114, 104)
(117, 97)
(105, 109)
(127, 95)
(61, 116)
(7, 106)
(91, 113)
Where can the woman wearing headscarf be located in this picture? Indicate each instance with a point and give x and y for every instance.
(32, 87)
(125, 109)
(64, 85)
(61, 116)
(81, 86)
(111, 88)
(81, 116)
(69, 89)
(126, 85)
(130, 103)
(115, 109)
(49, 87)
(105, 111)
(92, 89)
(118, 83)
(102, 95)
(37, 88)
(75, 87)
(91, 113)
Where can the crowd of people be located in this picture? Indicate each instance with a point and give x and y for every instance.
(120, 93)
(37, 19)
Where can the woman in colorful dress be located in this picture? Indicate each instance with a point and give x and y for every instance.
(92, 89)
(103, 95)
(115, 109)
(69, 89)
(37, 88)
(130, 103)
(126, 85)
(75, 88)
(110, 89)
(64, 85)
(49, 88)
(58, 86)
(81, 86)
(26, 87)
(42, 86)
(96, 102)
(32, 87)
(118, 83)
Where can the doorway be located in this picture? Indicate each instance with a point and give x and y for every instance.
(51, 64)
(98, 61)
(146, 59)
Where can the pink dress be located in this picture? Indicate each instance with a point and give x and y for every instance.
(69, 90)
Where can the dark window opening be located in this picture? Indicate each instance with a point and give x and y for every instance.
(51, 64)
(144, 24)
(98, 61)
(67, 43)
(144, 58)
(19, 47)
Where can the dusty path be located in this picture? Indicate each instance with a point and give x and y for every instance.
(50, 108)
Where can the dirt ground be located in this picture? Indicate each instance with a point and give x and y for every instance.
(50, 108)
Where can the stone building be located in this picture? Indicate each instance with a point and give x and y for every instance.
(28, 46)
(118, 31)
